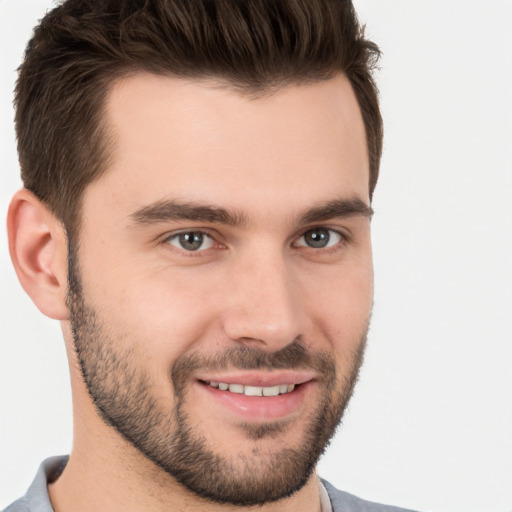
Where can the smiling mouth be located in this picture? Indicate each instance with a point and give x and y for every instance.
(280, 389)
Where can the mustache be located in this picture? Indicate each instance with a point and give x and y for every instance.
(294, 356)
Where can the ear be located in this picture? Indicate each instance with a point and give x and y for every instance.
(38, 248)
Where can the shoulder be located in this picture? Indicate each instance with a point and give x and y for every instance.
(37, 499)
(344, 502)
(20, 505)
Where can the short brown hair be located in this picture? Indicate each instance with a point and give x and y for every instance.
(82, 46)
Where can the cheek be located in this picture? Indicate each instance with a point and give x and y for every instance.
(344, 307)
(166, 313)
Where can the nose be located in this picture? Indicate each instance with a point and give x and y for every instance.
(266, 307)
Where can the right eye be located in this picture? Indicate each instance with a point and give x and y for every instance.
(191, 241)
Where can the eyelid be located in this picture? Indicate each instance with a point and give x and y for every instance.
(343, 237)
(189, 229)
(207, 233)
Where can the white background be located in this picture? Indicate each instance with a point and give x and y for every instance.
(430, 426)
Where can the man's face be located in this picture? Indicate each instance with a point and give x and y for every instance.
(227, 245)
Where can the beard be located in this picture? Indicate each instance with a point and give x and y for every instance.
(123, 394)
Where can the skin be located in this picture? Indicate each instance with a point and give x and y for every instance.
(256, 284)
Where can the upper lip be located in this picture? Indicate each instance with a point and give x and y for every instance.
(260, 378)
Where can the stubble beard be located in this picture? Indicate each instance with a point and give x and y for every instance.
(121, 393)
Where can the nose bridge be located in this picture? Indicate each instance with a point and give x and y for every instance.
(265, 306)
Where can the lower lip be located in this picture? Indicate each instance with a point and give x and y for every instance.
(260, 408)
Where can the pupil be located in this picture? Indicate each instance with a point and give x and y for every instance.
(191, 241)
(317, 238)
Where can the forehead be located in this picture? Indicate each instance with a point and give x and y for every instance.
(202, 141)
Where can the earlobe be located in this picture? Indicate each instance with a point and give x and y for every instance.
(38, 248)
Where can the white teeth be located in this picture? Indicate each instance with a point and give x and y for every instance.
(236, 388)
(271, 391)
(253, 390)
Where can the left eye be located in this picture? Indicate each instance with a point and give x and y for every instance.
(319, 238)
(191, 241)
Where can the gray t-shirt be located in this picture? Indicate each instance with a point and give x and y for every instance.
(37, 499)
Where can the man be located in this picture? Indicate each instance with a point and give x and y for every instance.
(196, 214)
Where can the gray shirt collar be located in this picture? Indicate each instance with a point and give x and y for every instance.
(37, 499)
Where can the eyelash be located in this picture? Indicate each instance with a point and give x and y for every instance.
(175, 236)
(328, 249)
(343, 238)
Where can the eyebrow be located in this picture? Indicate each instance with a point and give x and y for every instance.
(337, 208)
(175, 210)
